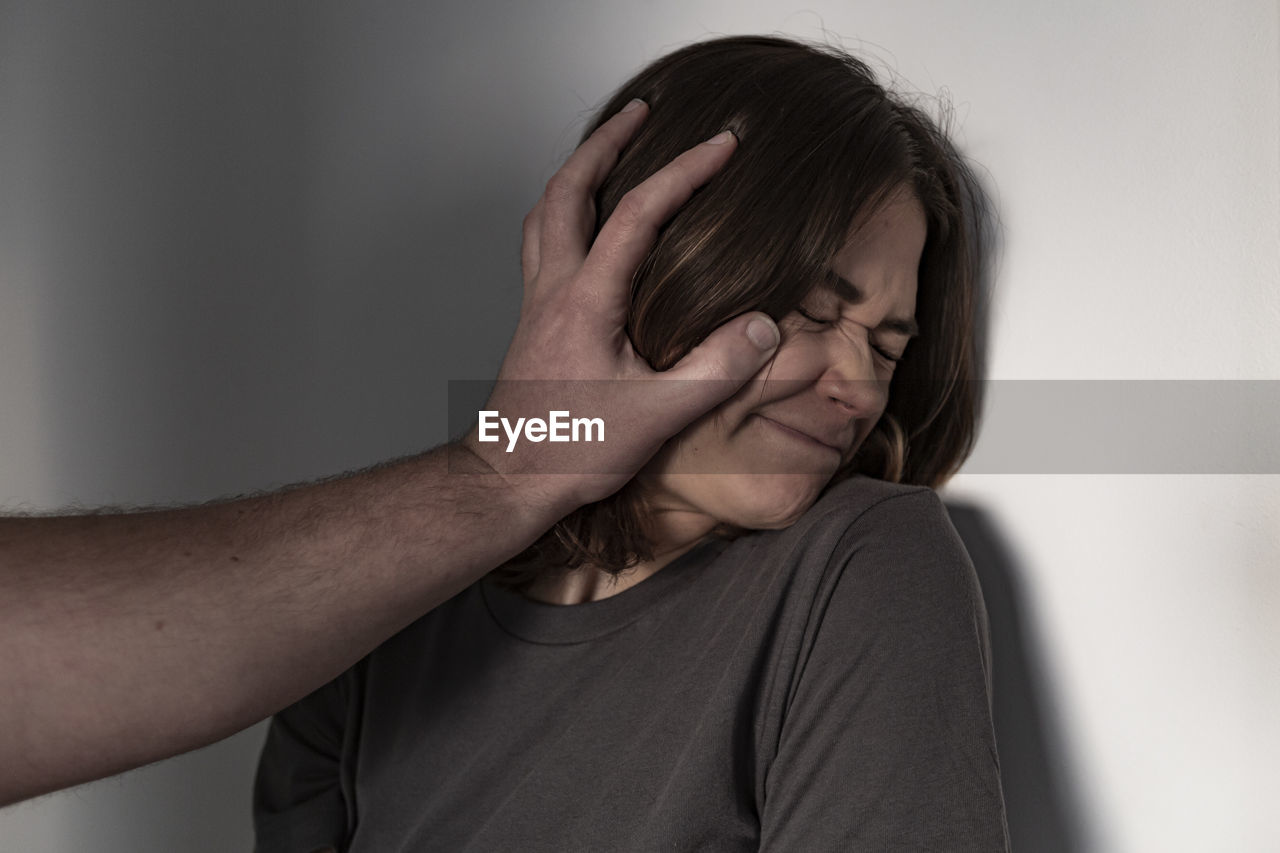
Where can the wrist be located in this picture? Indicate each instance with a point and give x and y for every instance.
(537, 500)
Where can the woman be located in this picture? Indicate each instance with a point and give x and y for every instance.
(771, 638)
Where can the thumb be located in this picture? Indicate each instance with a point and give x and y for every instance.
(713, 370)
(735, 351)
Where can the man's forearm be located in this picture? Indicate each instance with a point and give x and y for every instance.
(205, 620)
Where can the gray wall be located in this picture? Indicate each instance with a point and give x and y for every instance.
(239, 250)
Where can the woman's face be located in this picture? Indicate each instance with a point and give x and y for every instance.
(761, 458)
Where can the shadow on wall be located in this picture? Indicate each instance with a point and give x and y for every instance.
(1041, 803)
(1040, 800)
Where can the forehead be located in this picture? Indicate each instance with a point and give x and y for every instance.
(878, 265)
(894, 234)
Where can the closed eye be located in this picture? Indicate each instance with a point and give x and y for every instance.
(812, 319)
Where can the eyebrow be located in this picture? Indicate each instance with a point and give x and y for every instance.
(849, 291)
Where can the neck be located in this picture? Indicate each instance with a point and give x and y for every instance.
(673, 532)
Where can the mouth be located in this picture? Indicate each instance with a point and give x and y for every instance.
(804, 436)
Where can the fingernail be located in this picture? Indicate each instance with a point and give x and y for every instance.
(634, 103)
(763, 333)
(720, 138)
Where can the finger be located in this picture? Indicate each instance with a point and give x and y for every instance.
(569, 211)
(712, 371)
(531, 234)
(632, 228)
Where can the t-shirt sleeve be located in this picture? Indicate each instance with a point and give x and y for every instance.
(887, 740)
(298, 800)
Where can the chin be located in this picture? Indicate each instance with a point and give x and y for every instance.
(766, 501)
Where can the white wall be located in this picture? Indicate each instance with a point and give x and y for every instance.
(242, 246)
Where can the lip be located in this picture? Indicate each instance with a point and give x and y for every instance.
(801, 435)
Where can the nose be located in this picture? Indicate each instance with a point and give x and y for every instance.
(851, 379)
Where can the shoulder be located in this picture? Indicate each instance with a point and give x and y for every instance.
(887, 682)
(885, 550)
(866, 502)
(865, 517)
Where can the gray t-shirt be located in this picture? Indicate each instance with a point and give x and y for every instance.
(823, 687)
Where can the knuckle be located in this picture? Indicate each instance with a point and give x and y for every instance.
(685, 184)
(714, 369)
(631, 209)
(560, 187)
(676, 180)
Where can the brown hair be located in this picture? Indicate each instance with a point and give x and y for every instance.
(822, 145)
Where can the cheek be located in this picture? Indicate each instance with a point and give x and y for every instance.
(796, 365)
(700, 447)
(799, 356)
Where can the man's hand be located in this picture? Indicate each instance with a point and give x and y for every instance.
(572, 328)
